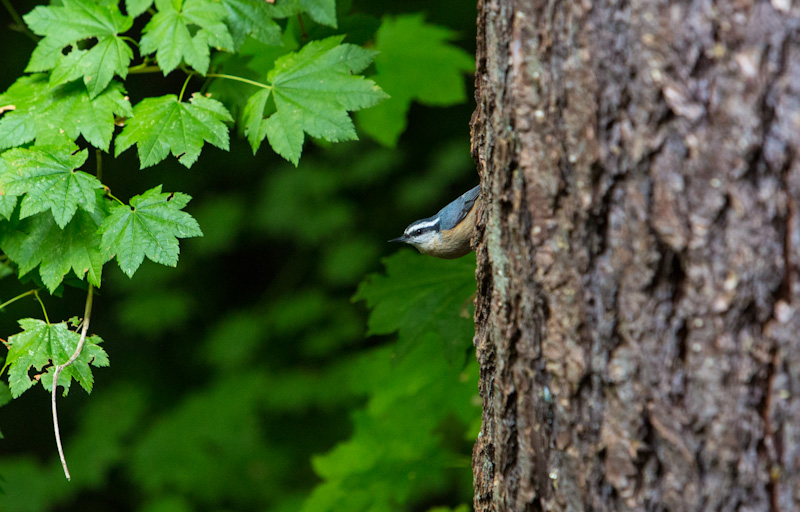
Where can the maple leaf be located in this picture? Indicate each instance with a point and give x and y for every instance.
(163, 125)
(23, 104)
(48, 177)
(41, 344)
(150, 227)
(415, 62)
(313, 90)
(39, 241)
(251, 17)
(419, 296)
(183, 30)
(7, 201)
(134, 8)
(74, 21)
(58, 115)
(321, 11)
(7, 205)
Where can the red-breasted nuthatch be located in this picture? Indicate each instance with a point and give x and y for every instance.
(446, 234)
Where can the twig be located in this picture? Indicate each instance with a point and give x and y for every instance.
(302, 26)
(20, 25)
(98, 156)
(58, 369)
(238, 79)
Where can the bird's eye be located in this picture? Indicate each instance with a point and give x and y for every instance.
(417, 232)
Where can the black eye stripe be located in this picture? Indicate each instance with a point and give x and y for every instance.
(421, 228)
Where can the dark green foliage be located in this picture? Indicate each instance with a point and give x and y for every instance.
(242, 379)
(415, 62)
(422, 297)
(41, 342)
(167, 125)
(49, 179)
(74, 21)
(150, 226)
(313, 90)
(59, 114)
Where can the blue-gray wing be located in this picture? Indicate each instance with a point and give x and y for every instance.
(455, 212)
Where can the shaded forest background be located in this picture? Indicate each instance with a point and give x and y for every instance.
(244, 379)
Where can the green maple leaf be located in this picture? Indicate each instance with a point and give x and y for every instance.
(284, 8)
(97, 66)
(74, 21)
(48, 177)
(33, 110)
(183, 30)
(134, 8)
(41, 344)
(415, 62)
(150, 227)
(312, 90)
(420, 296)
(251, 17)
(75, 113)
(321, 11)
(23, 104)
(7, 205)
(39, 241)
(7, 201)
(164, 124)
(256, 126)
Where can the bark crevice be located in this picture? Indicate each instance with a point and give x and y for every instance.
(636, 320)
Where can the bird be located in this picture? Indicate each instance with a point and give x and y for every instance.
(446, 234)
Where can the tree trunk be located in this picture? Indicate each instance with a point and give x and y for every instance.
(638, 290)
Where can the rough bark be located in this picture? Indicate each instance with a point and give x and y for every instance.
(637, 314)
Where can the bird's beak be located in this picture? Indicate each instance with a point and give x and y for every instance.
(400, 239)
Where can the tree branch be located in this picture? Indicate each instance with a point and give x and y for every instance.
(59, 368)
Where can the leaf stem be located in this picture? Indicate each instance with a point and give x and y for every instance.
(144, 67)
(239, 79)
(112, 196)
(59, 368)
(18, 21)
(98, 156)
(21, 295)
(46, 319)
(132, 40)
(183, 89)
(302, 26)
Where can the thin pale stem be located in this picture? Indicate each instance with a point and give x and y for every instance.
(59, 368)
(143, 68)
(46, 319)
(130, 40)
(98, 156)
(239, 79)
(112, 196)
(183, 89)
(21, 295)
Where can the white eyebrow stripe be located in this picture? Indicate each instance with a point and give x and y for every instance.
(423, 225)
